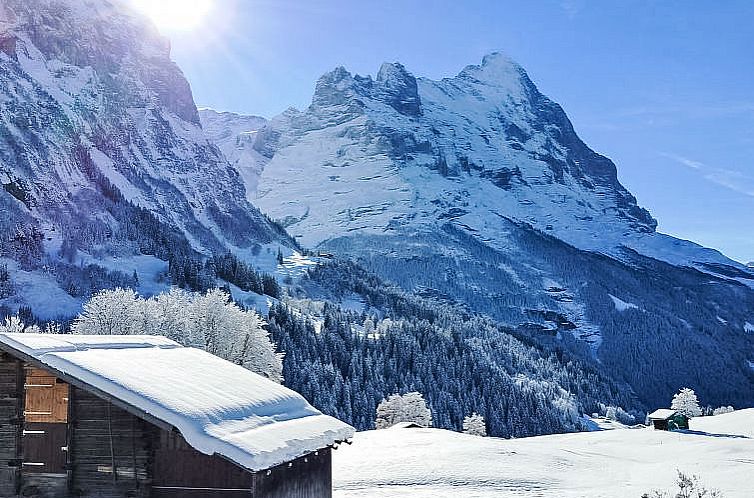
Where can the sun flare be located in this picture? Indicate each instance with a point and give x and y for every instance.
(179, 15)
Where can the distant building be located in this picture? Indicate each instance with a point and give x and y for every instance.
(407, 425)
(143, 417)
(665, 419)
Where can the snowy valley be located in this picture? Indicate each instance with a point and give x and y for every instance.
(453, 241)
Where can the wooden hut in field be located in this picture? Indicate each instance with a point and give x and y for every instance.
(142, 416)
(667, 420)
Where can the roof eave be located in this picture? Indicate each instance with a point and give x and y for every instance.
(133, 410)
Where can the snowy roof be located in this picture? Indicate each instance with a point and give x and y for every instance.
(662, 414)
(218, 407)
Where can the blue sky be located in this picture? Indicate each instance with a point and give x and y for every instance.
(665, 89)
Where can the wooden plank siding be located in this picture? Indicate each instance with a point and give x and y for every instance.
(44, 435)
(43, 486)
(46, 397)
(309, 476)
(11, 416)
(111, 450)
(181, 471)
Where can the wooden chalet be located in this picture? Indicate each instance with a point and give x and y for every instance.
(141, 416)
(666, 419)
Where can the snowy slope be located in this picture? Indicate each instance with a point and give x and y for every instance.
(101, 149)
(238, 138)
(612, 463)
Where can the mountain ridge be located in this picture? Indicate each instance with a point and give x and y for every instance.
(477, 188)
(349, 97)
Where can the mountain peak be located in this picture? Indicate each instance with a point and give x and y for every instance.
(335, 76)
(498, 59)
(390, 71)
(496, 69)
(397, 88)
(393, 86)
(333, 87)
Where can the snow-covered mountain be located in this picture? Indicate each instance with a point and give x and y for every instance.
(396, 151)
(110, 181)
(102, 154)
(238, 137)
(477, 188)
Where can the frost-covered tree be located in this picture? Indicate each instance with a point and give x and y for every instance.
(409, 407)
(233, 334)
(723, 409)
(474, 425)
(11, 325)
(209, 321)
(617, 413)
(686, 403)
(111, 312)
(15, 325)
(170, 315)
(689, 486)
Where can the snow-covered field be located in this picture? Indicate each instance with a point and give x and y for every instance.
(609, 463)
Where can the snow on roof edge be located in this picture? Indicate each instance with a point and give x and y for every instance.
(662, 413)
(303, 434)
(38, 344)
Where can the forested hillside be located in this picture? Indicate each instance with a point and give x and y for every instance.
(347, 361)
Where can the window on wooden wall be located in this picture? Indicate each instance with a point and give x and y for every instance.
(46, 398)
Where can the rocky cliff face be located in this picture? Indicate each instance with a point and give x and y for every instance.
(101, 149)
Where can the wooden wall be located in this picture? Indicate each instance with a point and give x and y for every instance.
(11, 414)
(111, 450)
(306, 477)
(44, 436)
(182, 472)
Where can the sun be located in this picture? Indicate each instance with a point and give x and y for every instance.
(175, 15)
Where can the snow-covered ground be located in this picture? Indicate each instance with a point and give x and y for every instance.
(609, 463)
